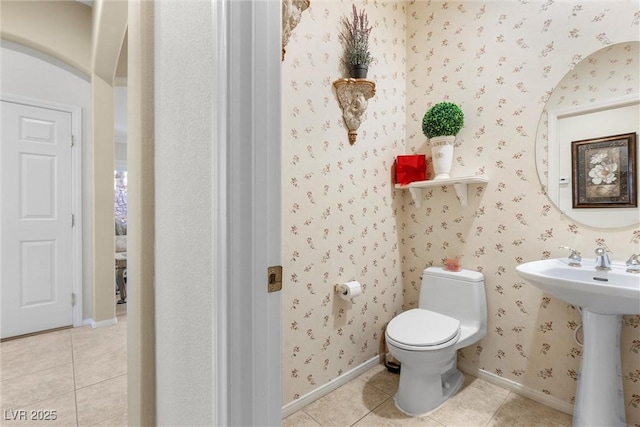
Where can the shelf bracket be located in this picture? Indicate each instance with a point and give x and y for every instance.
(353, 97)
(416, 194)
(461, 192)
(291, 14)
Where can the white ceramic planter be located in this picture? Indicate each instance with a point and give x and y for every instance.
(442, 155)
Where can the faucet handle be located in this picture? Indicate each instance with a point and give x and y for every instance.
(602, 252)
(633, 263)
(634, 259)
(575, 260)
(603, 262)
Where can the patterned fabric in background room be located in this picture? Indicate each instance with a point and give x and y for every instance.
(120, 200)
(343, 220)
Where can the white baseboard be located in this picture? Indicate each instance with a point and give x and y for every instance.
(102, 323)
(517, 388)
(296, 405)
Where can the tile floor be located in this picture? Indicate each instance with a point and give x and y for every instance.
(81, 374)
(367, 401)
(78, 374)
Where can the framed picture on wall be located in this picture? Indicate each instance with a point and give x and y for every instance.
(604, 172)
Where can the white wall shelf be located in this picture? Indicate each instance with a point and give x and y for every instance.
(459, 184)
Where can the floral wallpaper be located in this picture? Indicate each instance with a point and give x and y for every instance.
(611, 72)
(343, 220)
(500, 61)
(339, 208)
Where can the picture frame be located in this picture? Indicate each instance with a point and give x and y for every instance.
(604, 172)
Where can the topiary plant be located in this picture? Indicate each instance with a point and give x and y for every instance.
(444, 118)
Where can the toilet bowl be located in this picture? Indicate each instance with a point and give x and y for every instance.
(451, 314)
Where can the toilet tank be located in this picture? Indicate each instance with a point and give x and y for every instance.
(457, 294)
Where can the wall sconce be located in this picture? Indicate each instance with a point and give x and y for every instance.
(353, 96)
(291, 14)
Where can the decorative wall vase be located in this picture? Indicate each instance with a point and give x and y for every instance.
(358, 71)
(353, 96)
(442, 155)
(291, 14)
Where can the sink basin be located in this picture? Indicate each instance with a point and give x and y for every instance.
(604, 292)
(604, 296)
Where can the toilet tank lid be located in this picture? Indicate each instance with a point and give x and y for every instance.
(465, 275)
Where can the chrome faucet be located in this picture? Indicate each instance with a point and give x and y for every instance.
(603, 262)
(575, 260)
(633, 263)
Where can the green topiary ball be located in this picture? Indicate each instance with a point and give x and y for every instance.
(444, 118)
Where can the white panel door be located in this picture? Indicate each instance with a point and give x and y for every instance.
(36, 249)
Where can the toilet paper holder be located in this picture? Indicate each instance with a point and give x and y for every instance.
(341, 289)
(348, 290)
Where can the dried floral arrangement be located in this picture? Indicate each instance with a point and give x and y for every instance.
(355, 36)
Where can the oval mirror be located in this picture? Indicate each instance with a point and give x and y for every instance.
(597, 99)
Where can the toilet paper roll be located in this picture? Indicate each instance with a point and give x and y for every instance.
(350, 289)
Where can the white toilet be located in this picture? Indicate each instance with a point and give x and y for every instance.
(451, 314)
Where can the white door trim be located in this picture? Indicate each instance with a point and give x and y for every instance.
(76, 190)
(219, 210)
(246, 212)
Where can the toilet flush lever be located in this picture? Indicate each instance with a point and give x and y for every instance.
(274, 278)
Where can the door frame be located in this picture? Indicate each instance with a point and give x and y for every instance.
(246, 210)
(219, 214)
(76, 190)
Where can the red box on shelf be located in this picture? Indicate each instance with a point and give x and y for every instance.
(411, 168)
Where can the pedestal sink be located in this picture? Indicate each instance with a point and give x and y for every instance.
(603, 296)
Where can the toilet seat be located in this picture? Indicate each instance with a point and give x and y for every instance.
(419, 329)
